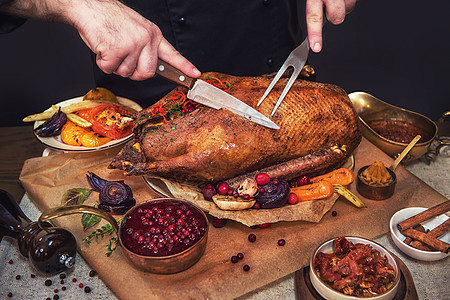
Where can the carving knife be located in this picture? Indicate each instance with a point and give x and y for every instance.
(202, 92)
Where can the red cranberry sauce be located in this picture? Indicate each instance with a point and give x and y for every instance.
(162, 228)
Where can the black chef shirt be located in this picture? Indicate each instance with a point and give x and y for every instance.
(247, 37)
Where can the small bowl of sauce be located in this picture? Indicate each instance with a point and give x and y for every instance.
(376, 182)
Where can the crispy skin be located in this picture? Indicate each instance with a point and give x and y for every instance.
(317, 121)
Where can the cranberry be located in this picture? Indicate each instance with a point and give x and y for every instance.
(219, 223)
(56, 291)
(32, 276)
(246, 268)
(74, 280)
(62, 281)
(293, 198)
(208, 192)
(10, 262)
(262, 179)
(63, 288)
(231, 192)
(334, 213)
(281, 242)
(81, 285)
(222, 188)
(256, 205)
(264, 225)
(303, 180)
(251, 237)
(18, 277)
(276, 181)
(10, 295)
(246, 197)
(240, 256)
(234, 259)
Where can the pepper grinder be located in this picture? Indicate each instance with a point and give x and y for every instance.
(50, 249)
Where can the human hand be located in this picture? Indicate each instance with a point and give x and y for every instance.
(126, 43)
(336, 10)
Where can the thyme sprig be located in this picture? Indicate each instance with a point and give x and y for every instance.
(100, 233)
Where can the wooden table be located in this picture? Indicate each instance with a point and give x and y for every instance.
(17, 145)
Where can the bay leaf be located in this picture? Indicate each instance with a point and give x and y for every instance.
(89, 220)
(75, 196)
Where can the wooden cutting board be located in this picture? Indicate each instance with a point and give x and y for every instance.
(214, 276)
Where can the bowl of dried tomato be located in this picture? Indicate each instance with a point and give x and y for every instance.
(354, 268)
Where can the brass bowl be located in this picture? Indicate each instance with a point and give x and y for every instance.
(375, 192)
(164, 264)
(370, 108)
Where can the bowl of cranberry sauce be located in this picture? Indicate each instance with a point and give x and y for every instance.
(164, 235)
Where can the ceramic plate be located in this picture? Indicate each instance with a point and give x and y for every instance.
(55, 142)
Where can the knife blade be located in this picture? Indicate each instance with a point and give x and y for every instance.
(202, 92)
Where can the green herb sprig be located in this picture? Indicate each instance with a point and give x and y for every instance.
(100, 233)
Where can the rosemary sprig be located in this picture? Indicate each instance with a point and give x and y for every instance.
(100, 233)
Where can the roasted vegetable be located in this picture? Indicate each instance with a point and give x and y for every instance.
(226, 202)
(313, 191)
(342, 176)
(53, 125)
(348, 195)
(115, 196)
(71, 133)
(275, 194)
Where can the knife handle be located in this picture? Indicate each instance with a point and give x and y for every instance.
(171, 73)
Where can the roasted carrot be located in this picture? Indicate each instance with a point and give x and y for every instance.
(342, 176)
(313, 191)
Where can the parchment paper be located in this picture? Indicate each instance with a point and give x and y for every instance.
(214, 276)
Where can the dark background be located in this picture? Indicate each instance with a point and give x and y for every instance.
(398, 51)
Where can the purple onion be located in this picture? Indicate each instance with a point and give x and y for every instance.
(115, 197)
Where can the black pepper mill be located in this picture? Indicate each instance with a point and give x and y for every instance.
(50, 249)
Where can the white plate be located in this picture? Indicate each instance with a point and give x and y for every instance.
(398, 238)
(55, 142)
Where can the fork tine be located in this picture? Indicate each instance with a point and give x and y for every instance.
(272, 84)
(286, 89)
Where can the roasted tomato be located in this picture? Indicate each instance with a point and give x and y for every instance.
(71, 133)
(107, 120)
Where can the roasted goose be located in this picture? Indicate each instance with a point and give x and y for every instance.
(319, 131)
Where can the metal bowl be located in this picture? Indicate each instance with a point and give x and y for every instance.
(370, 108)
(375, 192)
(164, 264)
(167, 264)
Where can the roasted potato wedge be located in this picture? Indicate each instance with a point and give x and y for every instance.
(101, 94)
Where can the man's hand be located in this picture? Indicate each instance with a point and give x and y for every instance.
(125, 42)
(336, 10)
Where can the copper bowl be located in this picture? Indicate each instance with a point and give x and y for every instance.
(370, 108)
(164, 264)
(375, 192)
(167, 264)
